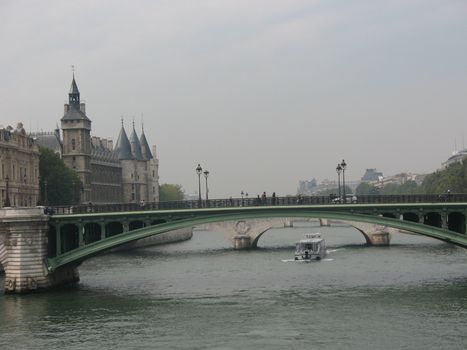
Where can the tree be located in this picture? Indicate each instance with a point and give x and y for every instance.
(335, 191)
(364, 188)
(63, 184)
(453, 178)
(171, 192)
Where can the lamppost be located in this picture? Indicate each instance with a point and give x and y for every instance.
(339, 169)
(7, 198)
(343, 165)
(242, 194)
(199, 170)
(206, 174)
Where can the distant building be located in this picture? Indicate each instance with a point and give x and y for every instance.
(456, 157)
(19, 164)
(371, 175)
(399, 179)
(307, 186)
(128, 172)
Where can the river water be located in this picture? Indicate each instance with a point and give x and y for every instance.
(201, 294)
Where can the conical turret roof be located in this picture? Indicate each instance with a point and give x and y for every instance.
(74, 86)
(123, 147)
(135, 145)
(145, 149)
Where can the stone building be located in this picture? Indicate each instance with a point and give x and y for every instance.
(125, 173)
(19, 166)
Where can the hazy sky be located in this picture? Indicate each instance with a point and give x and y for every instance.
(261, 93)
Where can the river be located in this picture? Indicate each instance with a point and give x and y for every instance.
(202, 294)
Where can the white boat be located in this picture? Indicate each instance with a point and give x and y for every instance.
(313, 247)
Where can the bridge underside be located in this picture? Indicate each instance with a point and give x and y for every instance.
(99, 235)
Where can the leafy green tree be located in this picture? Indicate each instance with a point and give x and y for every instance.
(59, 184)
(453, 178)
(171, 192)
(409, 187)
(364, 188)
(335, 191)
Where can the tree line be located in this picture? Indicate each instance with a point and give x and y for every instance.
(452, 179)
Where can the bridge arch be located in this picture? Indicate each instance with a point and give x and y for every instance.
(135, 224)
(410, 216)
(433, 219)
(69, 237)
(113, 228)
(389, 215)
(456, 222)
(230, 214)
(92, 232)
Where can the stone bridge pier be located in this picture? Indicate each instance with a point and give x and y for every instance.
(375, 235)
(23, 248)
(244, 234)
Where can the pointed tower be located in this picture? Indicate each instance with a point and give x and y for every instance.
(76, 127)
(135, 145)
(123, 148)
(145, 150)
(151, 170)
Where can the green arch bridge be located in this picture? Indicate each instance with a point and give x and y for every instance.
(78, 233)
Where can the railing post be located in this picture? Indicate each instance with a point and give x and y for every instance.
(126, 226)
(58, 240)
(80, 234)
(102, 225)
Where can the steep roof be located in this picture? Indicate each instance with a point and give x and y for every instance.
(74, 114)
(123, 147)
(145, 149)
(135, 145)
(50, 140)
(74, 86)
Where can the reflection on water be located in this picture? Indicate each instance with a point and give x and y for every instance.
(202, 294)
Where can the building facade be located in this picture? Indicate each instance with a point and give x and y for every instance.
(19, 166)
(126, 173)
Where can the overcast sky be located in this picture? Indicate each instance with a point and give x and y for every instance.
(261, 93)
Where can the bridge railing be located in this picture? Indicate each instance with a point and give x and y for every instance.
(258, 201)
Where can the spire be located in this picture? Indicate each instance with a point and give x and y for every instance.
(73, 95)
(135, 145)
(145, 149)
(74, 110)
(123, 147)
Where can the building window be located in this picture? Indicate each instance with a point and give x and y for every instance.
(73, 162)
(73, 144)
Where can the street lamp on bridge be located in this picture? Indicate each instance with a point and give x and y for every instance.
(339, 169)
(199, 170)
(343, 166)
(206, 174)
